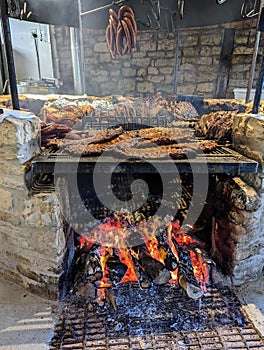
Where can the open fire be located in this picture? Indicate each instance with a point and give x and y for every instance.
(115, 252)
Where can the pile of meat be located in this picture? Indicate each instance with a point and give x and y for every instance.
(149, 143)
(216, 126)
(57, 121)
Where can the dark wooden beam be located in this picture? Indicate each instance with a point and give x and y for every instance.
(225, 63)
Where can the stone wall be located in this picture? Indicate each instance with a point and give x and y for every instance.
(150, 67)
(31, 228)
(238, 235)
(240, 206)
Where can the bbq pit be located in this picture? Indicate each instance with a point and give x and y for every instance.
(170, 256)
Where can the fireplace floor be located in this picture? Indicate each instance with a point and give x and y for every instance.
(161, 317)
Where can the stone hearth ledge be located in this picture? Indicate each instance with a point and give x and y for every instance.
(32, 241)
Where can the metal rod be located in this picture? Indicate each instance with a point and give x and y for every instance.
(117, 3)
(9, 55)
(255, 55)
(37, 54)
(54, 51)
(97, 9)
(77, 81)
(176, 63)
(259, 87)
(253, 66)
(82, 62)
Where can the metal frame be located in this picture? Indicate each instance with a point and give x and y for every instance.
(9, 54)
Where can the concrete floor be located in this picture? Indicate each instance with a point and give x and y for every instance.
(26, 321)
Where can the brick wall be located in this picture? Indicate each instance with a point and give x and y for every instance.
(150, 67)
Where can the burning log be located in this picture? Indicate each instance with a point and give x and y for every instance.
(154, 269)
(88, 264)
(193, 291)
(116, 269)
(186, 277)
(170, 260)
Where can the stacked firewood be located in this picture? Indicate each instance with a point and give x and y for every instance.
(159, 256)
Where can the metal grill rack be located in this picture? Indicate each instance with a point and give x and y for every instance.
(222, 160)
(160, 318)
(100, 121)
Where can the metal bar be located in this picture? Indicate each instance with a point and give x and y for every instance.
(82, 63)
(176, 64)
(54, 51)
(37, 54)
(102, 7)
(254, 57)
(259, 87)
(77, 79)
(97, 9)
(9, 55)
(253, 67)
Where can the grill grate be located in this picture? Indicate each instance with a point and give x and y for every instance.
(156, 318)
(100, 122)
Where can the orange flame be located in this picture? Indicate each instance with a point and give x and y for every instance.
(174, 232)
(126, 258)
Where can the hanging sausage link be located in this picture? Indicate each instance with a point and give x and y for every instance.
(121, 31)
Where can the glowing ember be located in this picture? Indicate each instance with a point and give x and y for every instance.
(175, 238)
(126, 258)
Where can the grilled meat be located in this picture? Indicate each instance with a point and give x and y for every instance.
(217, 125)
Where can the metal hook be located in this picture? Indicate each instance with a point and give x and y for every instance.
(245, 13)
(117, 3)
(148, 24)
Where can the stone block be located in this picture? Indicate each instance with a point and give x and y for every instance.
(145, 87)
(157, 79)
(164, 63)
(168, 79)
(104, 57)
(189, 40)
(8, 135)
(247, 270)
(243, 50)
(166, 45)
(41, 211)
(156, 54)
(100, 47)
(137, 54)
(213, 40)
(6, 199)
(167, 70)
(147, 45)
(141, 62)
(187, 67)
(207, 60)
(154, 70)
(186, 89)
(210, 51)
(126, 85)
(247, 134)
(205, 87)
(128, 72)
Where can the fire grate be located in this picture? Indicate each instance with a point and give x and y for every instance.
(161, 317)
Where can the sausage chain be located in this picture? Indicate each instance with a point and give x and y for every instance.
(121, 31)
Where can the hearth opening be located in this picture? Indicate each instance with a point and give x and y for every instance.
(150, 240)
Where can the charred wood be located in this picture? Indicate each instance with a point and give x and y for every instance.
(153, 268)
